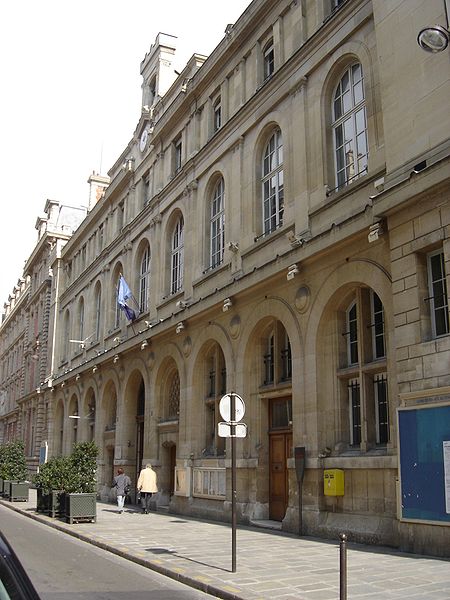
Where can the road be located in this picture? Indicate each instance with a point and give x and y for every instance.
(64, 568)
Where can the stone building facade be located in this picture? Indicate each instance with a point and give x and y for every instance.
(281, 215)
(26, 336)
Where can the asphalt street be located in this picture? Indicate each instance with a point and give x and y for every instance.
(64, 568)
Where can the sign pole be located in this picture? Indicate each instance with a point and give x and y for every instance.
(233, 484)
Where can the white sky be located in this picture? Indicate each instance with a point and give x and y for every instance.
(72, 96)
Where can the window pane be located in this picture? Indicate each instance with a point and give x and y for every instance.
(438, 292)
(381, 409)
(355, 413)
(358, 92)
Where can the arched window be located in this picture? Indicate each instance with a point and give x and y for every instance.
(272, 183)
(350, 126)
(144, 280)
(173, 400)
(217, 225)
(177, 257)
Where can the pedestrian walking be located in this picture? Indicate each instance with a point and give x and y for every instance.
(122, 483)
(147, 485)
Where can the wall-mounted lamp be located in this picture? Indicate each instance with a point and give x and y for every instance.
(179, 328)
(144, 345)
(375, 231)
(433, 39)
(292, 272)
(227, 304)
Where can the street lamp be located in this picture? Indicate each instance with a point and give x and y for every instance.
(433, 39)
(436, 38)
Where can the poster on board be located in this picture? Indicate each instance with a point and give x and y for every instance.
(446, 453)
(424, 450)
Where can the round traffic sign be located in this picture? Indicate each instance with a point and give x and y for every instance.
(225, 408)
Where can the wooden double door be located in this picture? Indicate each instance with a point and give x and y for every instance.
(280, 449)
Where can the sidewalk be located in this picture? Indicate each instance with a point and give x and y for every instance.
(270, 565)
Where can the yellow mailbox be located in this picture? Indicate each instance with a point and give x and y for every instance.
(333, 482)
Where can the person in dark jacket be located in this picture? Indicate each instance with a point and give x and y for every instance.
(122, 483)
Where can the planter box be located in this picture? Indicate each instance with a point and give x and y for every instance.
(42, 500)
(81, 507)
(6, 488)
(56, 503)
(18, 491)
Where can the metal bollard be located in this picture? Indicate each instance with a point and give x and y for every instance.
(343, 567)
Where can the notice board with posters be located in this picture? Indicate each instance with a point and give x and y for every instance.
(424, 447)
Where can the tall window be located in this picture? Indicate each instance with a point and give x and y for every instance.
(363, 374)
(268, 60)
(144, 276)
(81, 319)
(277, 358)
(272, 183)
(177, 155)
(146, 191)
(377, 324)
(66, 335)
(216, 388)
(173, 400)
(217, 114)
(438, 293)
(381, 408)
(177, 257)
(98, 312)
(217, 225)
(350, 127)
(100, 238)
(352, 335)
(117, 311)
(354, 400)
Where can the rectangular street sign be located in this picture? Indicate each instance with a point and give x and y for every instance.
(226, 430)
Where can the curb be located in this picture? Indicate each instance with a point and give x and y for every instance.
(180, 577)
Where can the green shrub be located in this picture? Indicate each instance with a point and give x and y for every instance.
(82, 469)
(13, 464)
(54, 474)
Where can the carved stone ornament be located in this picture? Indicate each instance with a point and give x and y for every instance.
(187, 346)
(302, 299)
(235, 327)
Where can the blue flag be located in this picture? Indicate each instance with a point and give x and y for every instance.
(123, 296)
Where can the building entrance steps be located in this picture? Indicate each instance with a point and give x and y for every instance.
(270, 564)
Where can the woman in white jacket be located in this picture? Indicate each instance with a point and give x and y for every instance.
(147, 485)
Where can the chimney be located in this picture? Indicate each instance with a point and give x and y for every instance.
(97, 186)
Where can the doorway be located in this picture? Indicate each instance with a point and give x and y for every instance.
(280, 449)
